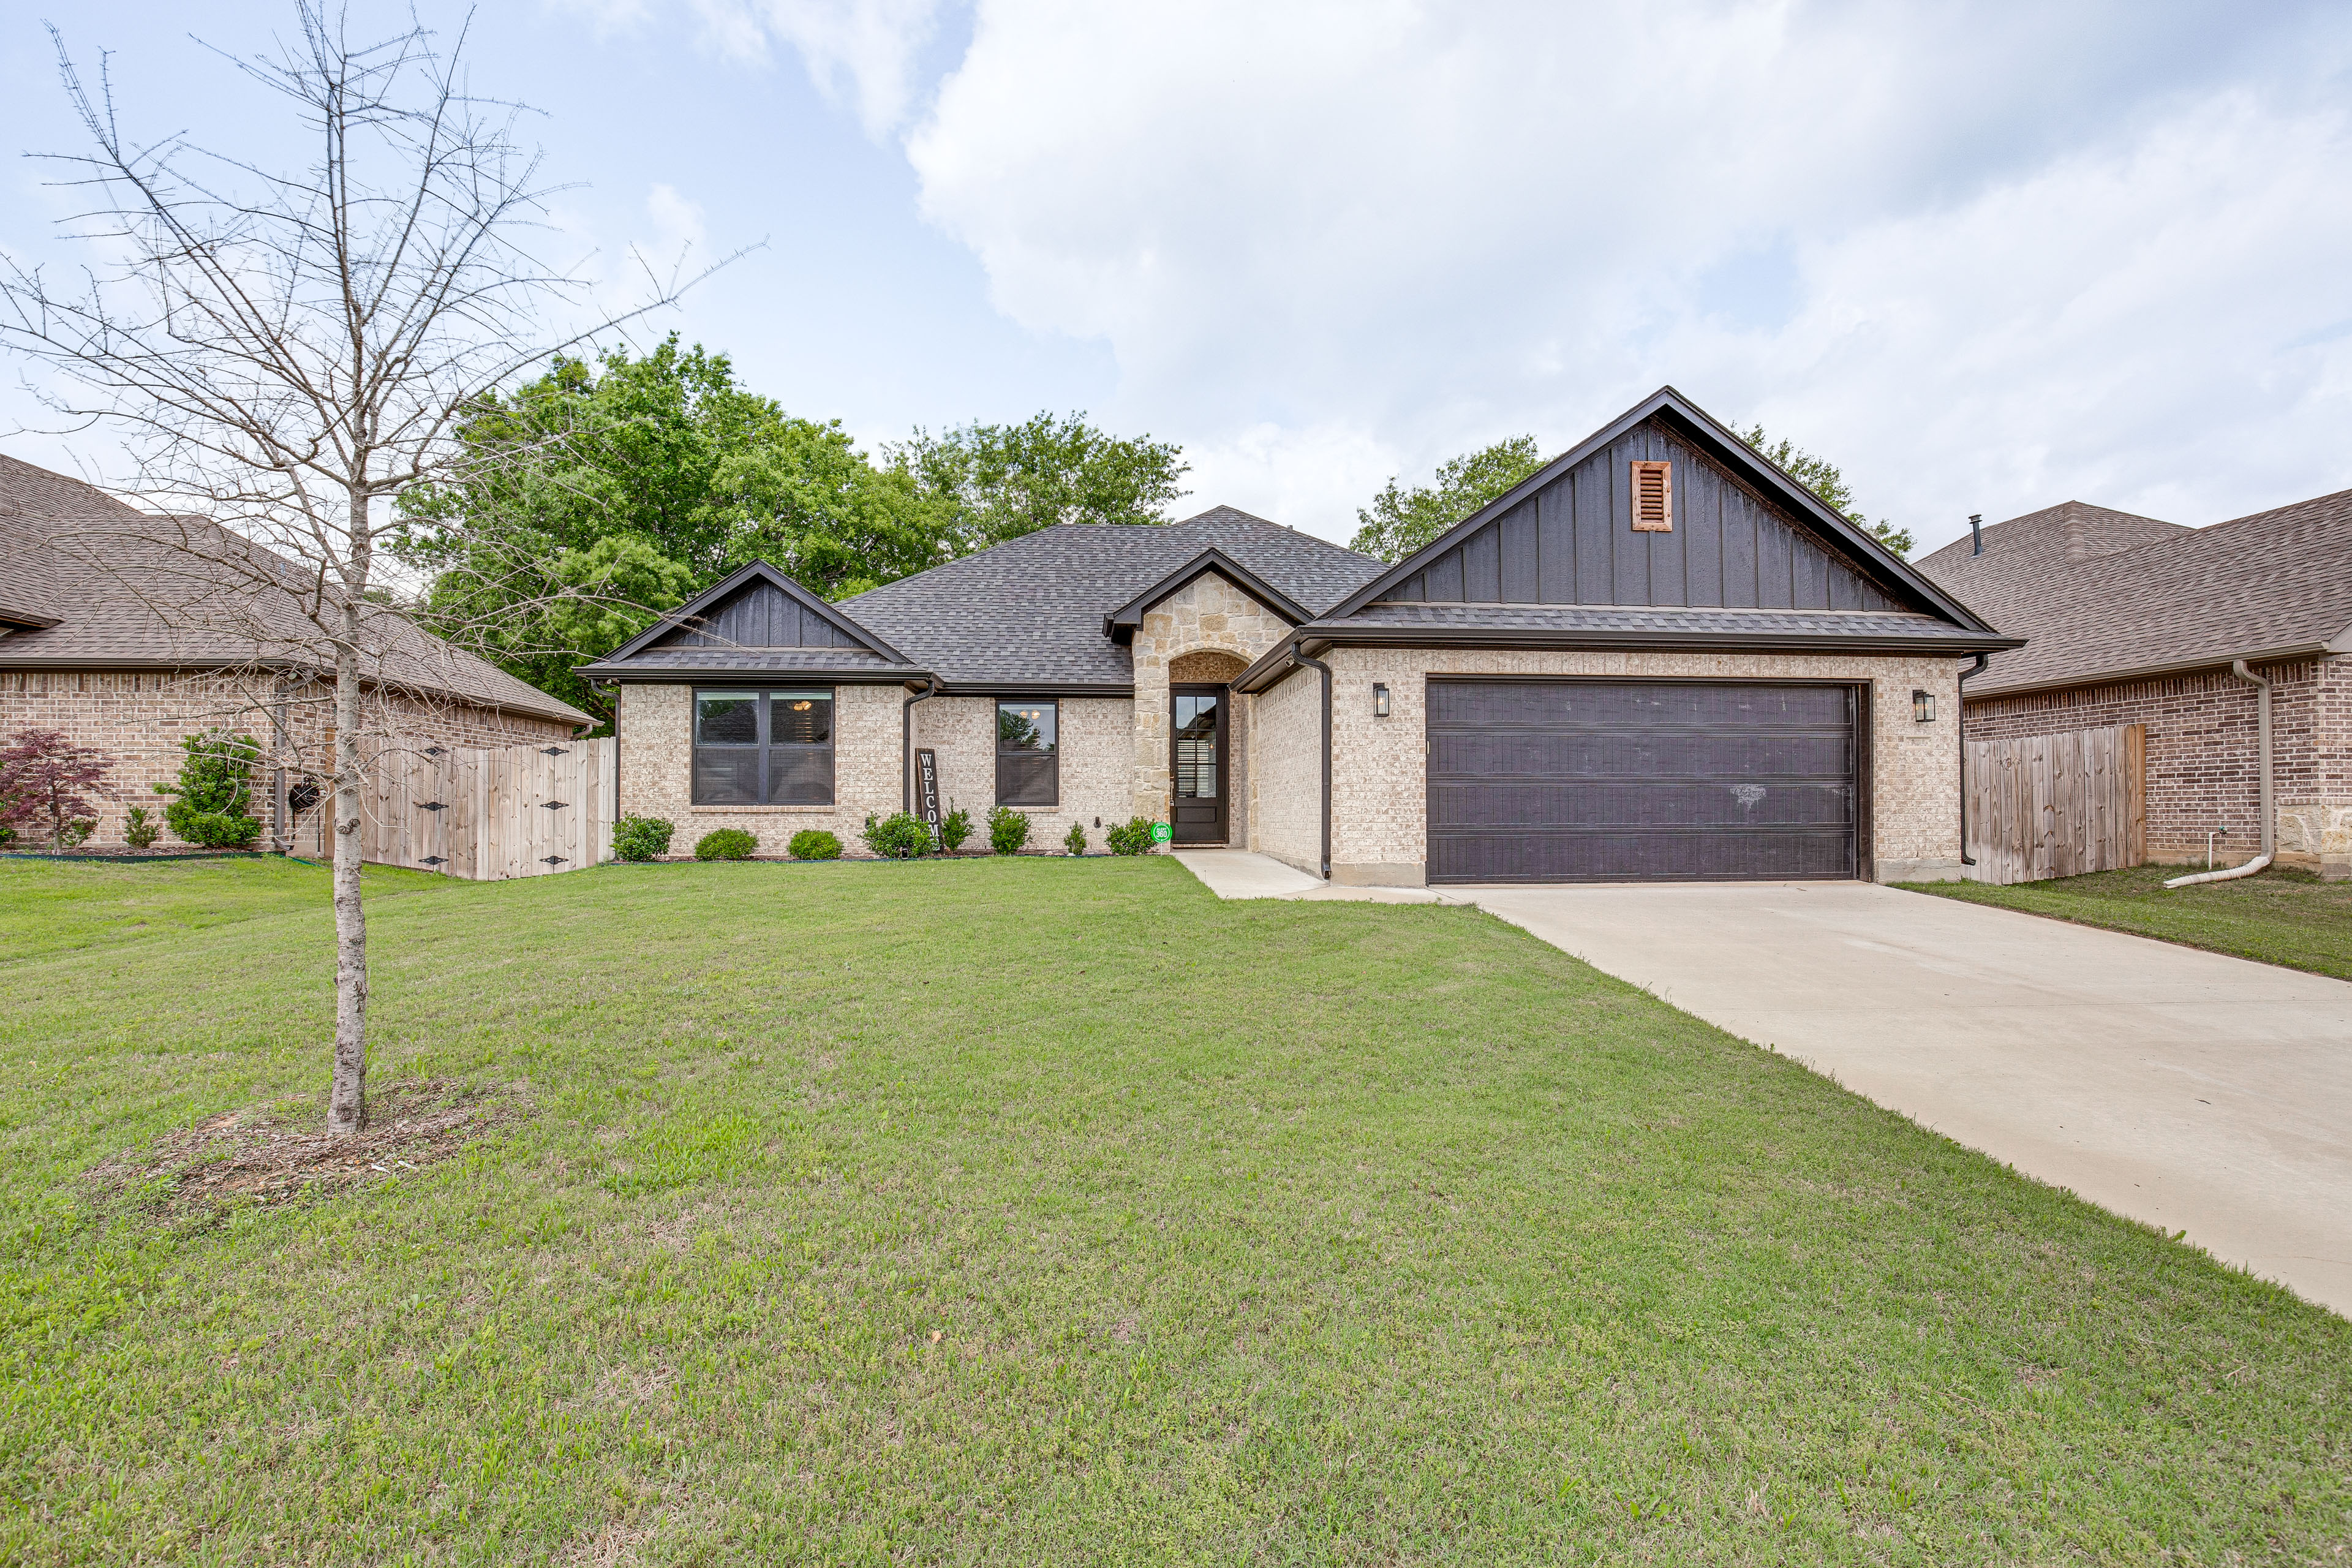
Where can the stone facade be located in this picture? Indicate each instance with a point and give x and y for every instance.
(1207, 615)
(869, 760)
(1380, 767)
(1097, 745)
(656, 729)
(1286, 798)
(2203, 756)
(138, 718)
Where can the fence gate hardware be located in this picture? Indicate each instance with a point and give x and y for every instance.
(433, 861)
(554, 752)
(552, 860)
(436, 750)
(555, 804)
(432, 805)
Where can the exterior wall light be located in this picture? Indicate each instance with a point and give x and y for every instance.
(1379, 700)
(1923, 707)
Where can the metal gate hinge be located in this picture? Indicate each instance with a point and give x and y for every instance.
(555, 804)
(552, 860)
(432, 805)
(554, 752)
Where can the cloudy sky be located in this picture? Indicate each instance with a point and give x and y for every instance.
(1986, 256)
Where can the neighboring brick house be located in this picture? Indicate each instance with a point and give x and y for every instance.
(129, 632)
(2133, 621)
(1657, 657)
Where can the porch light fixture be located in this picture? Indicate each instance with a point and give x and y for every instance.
(1379, 700)
(1923, 707)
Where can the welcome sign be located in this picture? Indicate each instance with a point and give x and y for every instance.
(927, 790)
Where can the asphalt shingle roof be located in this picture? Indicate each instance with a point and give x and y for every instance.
(2099, 594)
(134, 590)
(1030, 610)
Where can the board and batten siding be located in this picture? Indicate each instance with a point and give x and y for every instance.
(1573, 542)
(760, 616)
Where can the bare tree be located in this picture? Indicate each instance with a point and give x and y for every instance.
(285, 350)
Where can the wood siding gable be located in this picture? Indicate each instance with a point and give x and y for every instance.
(760, 614)
(1573, 541)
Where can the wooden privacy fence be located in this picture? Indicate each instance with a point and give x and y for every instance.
(488, 813)
(2057, 806)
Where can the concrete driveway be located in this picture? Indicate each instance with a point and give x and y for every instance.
(2193, 1091)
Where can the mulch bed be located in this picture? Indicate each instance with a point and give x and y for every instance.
(253, 1156)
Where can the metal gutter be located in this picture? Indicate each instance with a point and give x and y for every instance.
(1961, 723)
(906, 743)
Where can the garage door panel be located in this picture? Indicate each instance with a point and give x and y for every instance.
(1534, 805)
(1607, 754)
(1609, 781)
(1635, 704)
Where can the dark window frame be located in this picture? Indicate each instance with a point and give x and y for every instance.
(764, 746)
(1019, 753)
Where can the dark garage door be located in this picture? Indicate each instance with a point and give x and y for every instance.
(1565, 780)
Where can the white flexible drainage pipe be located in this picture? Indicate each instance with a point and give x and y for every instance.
(2238, 667)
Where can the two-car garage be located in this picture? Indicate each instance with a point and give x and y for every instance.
(1554, 780)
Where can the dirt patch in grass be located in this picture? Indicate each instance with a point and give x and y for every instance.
(258, 1155)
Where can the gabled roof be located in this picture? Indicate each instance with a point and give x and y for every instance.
(2104, 595)
(1673, 411)
(1120, 624)
(730, 628)
(93, 583)
(1028, 614)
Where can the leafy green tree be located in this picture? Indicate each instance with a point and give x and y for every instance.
(1399, 522)
(989, 484)
(597, 496)
(1820, 476)
(212, 804)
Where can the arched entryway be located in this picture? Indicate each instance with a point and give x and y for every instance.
(1202, 762)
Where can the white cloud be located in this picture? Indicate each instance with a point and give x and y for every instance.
(1984, 257)
(859, 53)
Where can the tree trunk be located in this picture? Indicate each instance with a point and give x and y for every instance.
(347, 1104)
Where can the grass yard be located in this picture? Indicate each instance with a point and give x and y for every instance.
(2284, 917)
(1041, 1211)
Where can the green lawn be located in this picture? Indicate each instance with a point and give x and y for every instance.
(2281, 916)
(49, 906)
(1053, 1211)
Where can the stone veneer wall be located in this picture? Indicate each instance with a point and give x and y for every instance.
(2203, 755)
(1096, 751)
(1380, 767)
(1285, 801)
(1208, 614)
(656, 729)
(138, 719)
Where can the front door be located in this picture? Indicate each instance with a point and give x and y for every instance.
(1197, 763)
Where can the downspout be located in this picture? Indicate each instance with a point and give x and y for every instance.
(1316, 664)
(2263, 750)
(1961, 723)
(907, 742)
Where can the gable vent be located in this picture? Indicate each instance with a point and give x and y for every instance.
(1653, 498)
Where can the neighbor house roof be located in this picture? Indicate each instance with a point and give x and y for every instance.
(1032, 611)
(2106, 595)
(90, 583)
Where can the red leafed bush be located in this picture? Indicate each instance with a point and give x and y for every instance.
(42, 778)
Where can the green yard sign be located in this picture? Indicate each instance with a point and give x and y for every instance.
(1161, 832)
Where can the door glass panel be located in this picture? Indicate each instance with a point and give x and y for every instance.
(1196, 747)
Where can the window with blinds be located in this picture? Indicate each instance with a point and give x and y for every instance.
(1028, 752)
(1653, 498)
(764, 748)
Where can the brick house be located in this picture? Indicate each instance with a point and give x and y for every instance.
(129, 631)
(1657, 657)
(2129, 620)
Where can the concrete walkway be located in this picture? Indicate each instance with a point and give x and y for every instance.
(1245, 874)
(2192, 1091)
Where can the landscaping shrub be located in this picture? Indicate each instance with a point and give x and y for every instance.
(42, 776)
(642, 837)
(954, 829)
(1132, 837)
(140, 833)
(814, 843)
(726, 844)
(212, 803)
(1074, 841)
(901, 836)
(1008, 830)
